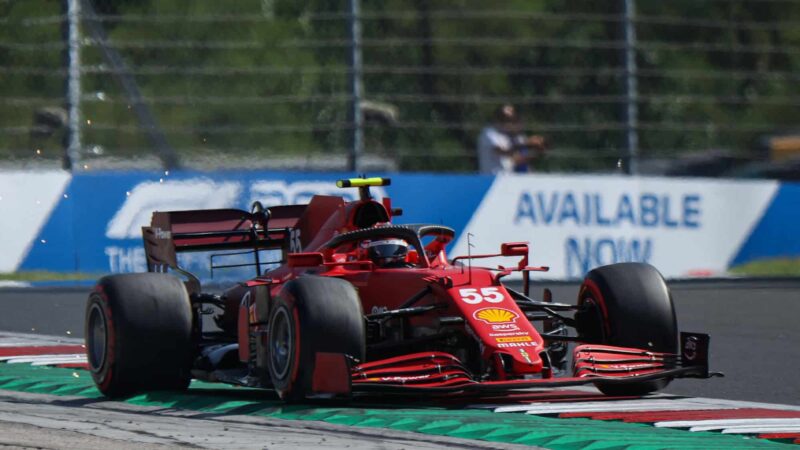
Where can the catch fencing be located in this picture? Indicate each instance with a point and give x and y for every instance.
(651, 87)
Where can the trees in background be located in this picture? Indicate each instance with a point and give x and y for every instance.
(269, 77)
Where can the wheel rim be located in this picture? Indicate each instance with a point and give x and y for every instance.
(97, 337)
(281, 343)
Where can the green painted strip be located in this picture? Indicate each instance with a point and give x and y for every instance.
(558, 434)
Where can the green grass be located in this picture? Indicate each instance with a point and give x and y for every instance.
(525, 429)
(770, 267)
(41, 275)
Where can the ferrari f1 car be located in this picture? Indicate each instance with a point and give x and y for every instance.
(360, 304)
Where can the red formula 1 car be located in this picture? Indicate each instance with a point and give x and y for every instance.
(360, 304)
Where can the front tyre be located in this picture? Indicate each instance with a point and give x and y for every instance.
(628, 305)
(138, 334)
(312, 314)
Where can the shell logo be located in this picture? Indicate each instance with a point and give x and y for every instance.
(495, 315)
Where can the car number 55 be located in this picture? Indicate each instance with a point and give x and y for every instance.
(487, 294)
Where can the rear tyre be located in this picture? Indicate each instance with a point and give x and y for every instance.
(312, 314)
(138, 334)
(628, 305)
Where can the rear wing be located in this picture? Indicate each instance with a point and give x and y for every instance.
(174, 232)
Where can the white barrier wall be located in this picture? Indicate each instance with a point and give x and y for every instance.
(684, 227)
(26, 201)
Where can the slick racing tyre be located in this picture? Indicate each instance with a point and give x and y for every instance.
(312, 314)
(138, 334)
(628, 305)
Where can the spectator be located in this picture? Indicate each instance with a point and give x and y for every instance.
(503, 147)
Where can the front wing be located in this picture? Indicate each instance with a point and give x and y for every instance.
(442, 373)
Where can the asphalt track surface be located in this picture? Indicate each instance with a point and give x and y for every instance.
(755, 337)
(62, 422)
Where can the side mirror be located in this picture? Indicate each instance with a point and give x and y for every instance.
(412, 257)
(313, 259)
(514, 249)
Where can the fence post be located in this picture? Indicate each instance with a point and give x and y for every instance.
(631, 94)
(72, 98)
(355, 115)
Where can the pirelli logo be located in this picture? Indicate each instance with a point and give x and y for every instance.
(514, 339)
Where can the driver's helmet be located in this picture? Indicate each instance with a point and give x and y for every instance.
(387, 252)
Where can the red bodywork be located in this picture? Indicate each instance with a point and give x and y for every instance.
(494, 346)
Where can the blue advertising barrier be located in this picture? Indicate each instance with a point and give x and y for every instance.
(91, 222)
(96, 227)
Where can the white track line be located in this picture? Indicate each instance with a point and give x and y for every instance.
(611, 406)
(744, 404)
(781, 426)
(623, 409)
(9, 339)
(79, 360)
(718, 424)
(11, 344)
(762, 429)
(39, 360)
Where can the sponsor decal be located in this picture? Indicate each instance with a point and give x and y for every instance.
(128, 259)
(582, 222)
(162, 234)
(495, 315)
(295, 244)
(525, 355)
(514, 339)
(601, 209)
(515, 344)
(402, 379)
(149, 196)
(505, 327)
(471, 296)
(510, 333)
